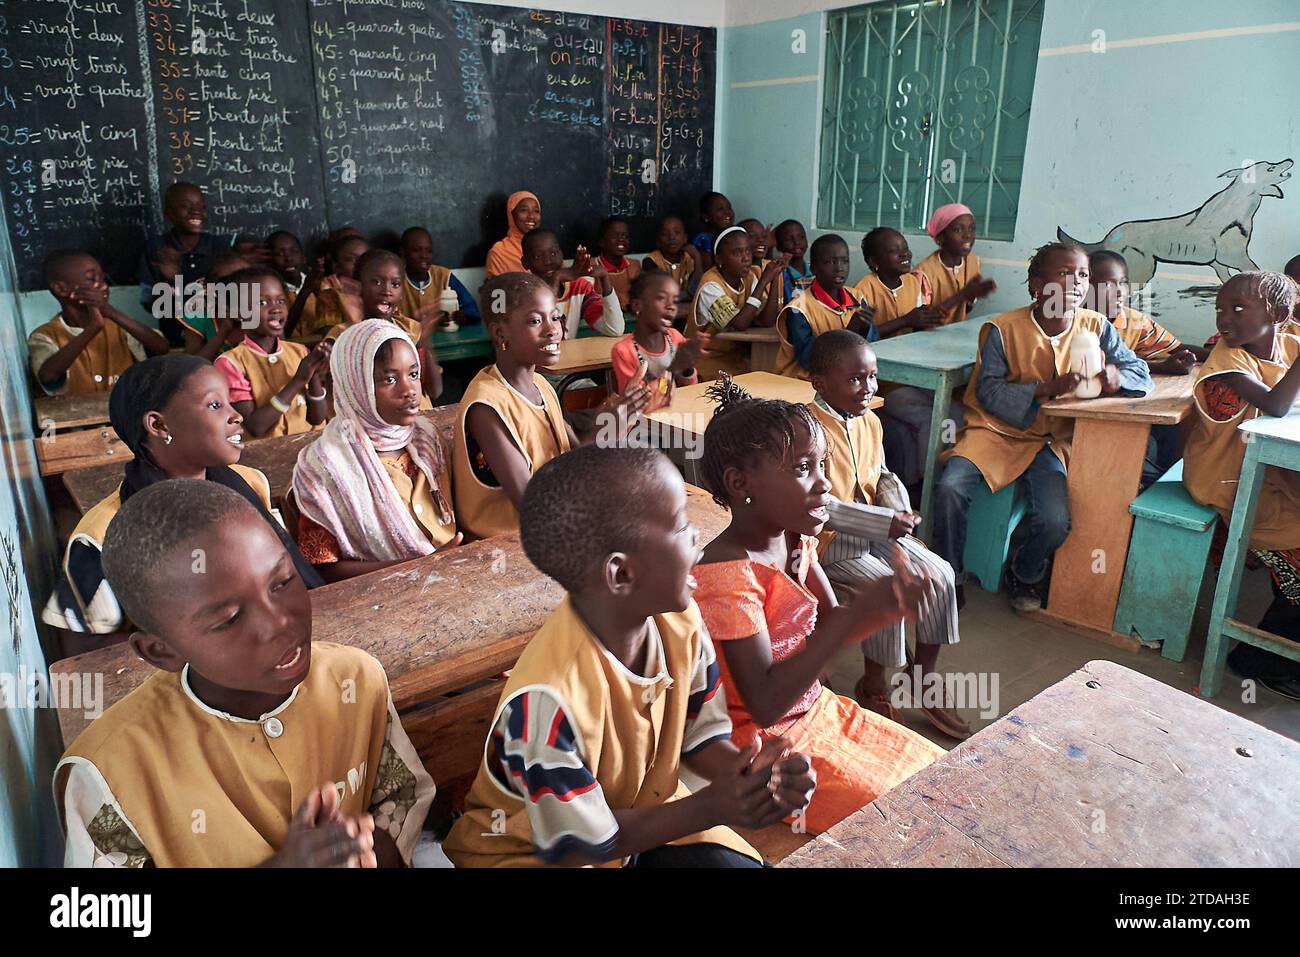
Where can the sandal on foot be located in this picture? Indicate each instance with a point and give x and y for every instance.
(945, 724)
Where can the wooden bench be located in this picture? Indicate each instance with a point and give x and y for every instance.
(1166, 562)
(1106, 768)
(274, 457)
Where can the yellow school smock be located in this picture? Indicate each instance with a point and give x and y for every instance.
(418, 497)
(999, 450)
(681, 272)
(199, 788)
(630, 732)
(484, 509)
(268, 373)
(1214, 450)
(721, 355)
(855, 449)
(821, 318)
(414, 298)
(106, 356)
(946, 282)
(913, 291)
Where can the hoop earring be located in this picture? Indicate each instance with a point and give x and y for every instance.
(502, 346)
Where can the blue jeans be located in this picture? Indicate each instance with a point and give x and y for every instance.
(1048, 515)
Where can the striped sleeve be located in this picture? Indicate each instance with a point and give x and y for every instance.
(867, 522)
(1156, 343)
(534, 754)
(706, 708)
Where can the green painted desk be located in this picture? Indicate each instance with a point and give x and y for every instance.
(939, 360)
(465, 343)
(1269, 442)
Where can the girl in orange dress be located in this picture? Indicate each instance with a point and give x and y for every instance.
(770, 610)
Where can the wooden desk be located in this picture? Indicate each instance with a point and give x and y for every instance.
(274, 457)
(939, 360)
(1106, 768)
(764, 345)
(1272, 442)
(1107, 452)
(59, 412)
(689, 415)
(437, 623)
(578, 357)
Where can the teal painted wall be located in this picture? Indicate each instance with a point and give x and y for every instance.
(1137, 132)
(29, 742)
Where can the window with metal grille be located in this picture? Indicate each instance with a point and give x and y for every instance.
(926, 104)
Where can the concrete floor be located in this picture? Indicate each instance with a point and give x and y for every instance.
(1027, 655)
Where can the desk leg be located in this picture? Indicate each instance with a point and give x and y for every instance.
(938, 414)
(1104, 474)
(762, 356)
(1230, 570)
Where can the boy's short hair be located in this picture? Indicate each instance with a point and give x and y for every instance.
(568, 534)
(1107, 255)
(535, 236)
(830, 347)
(252, 274)
(57, 260)
(751, 219)
(337, 242)
(609, 221)
(708, 198)
(151, 528)
(375, 257)
(282, 232)
(1292, 268)
(1041, 254)
(823, 241)
(872, 240)
(784, 225)
(501, 293)
(412, 230)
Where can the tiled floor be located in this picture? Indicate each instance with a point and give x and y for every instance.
(1025, 656)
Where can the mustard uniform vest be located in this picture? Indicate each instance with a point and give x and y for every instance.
(632, 747)
(821, 318)
(269, 373)
(945, 282)
(721, 355)
(1213, 452)
(202, 790)
(888, 303)
(999, 450)
(681, 272)
(414, 299)
(539, 433)
(105, 357)
(418, 496)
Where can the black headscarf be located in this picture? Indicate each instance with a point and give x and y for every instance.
(146, 387)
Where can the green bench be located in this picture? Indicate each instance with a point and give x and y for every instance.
(992, 519)
(1166, 562)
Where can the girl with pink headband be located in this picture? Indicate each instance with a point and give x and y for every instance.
(953, 269)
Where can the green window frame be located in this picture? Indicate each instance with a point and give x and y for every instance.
(924, 104)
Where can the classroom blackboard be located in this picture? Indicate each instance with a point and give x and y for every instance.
(379, 114)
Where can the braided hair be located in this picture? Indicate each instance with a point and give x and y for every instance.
(1039, 260)
(744, 428)
(1277, 291)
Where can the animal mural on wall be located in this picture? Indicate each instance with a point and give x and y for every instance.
(1215, 234)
